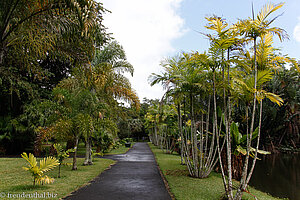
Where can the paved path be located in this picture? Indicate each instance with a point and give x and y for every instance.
(135, 176)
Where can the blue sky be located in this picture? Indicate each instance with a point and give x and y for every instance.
(194, 12)
(151, 30)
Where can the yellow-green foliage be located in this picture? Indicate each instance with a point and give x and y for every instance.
(37, 172)
(61, 154)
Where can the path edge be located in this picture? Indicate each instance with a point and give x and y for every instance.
(163, 176)
(89, 182)
(96, 177)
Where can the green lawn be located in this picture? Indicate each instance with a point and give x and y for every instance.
(15, 180)
(81, 149)
(185, 187)
(121, 150)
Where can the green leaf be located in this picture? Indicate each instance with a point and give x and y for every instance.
(237, 136)
(254, 135)
(260, 151)
(241, 150)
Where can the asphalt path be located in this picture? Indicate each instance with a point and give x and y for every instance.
(135, 176)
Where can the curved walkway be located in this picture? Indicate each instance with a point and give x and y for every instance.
(135, 176)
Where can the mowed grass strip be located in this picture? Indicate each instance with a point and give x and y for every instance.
(15, 180)
(185, 187)
(120, 150)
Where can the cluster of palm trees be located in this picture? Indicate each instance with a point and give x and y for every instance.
(207, 88)
(85, 105)
(161, 118)
(90, 98)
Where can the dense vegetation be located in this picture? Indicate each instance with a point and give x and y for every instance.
(62, 80)
(224, 107)
(62, 76)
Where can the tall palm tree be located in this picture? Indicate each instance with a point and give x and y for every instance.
(222, 41)
(255, 28)
(169, 80)
(185, 76)
(105, 78)
(93, 89)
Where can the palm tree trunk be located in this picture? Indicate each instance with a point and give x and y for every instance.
(257, 145)
(201, 146)
(249, 136)
(180, 132)
(155, 134)
(228, 134)
(87, 160)
(194, 137)
(74, 167)
(207, 126)
(218, 138)
(90, 161)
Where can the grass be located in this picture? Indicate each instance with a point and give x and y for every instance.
(15, 180)
(120, 150)
(185, 187)
(81, 149)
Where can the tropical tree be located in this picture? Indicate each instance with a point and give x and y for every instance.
(170, 82)
(152, 121)
(235, 84)
(76, 122)
(91, 95)
(255, 28)
(61, 155)
(49, 20)
(186, 77)
(36, 34)
(285, 126)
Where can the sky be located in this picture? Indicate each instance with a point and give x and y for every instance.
(152, 30)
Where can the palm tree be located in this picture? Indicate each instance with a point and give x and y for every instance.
(80, 105)
(185, 79)
(34, 32)
(223, 40)
(170, 82)
(104, 77)
(256, 28)
(152, 121)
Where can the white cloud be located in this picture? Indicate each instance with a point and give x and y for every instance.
(146, 30)
(296, 32)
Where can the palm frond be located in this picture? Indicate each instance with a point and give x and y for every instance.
(48, 163)
(30, 159)
(263, 77)
(267, 10)
(274, 98)
(44, 180)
